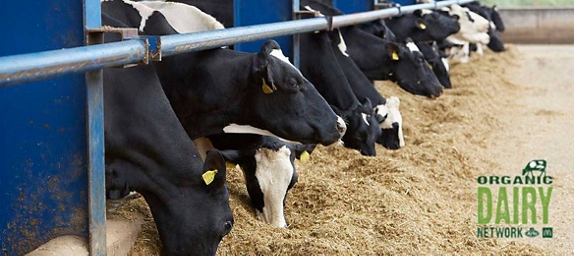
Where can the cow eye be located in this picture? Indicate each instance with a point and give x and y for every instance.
(292, 84)
(227, 228)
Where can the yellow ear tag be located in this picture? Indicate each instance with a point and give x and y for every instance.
(304, 157)
(266, 88)
(230, 165)
(209, 176)
(395, 56)
(422, 26)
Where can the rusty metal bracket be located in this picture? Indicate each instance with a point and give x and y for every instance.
(125, 34)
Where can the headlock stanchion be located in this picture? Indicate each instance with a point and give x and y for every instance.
(51, 132)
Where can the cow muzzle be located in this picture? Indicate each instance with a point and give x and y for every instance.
(341, 126)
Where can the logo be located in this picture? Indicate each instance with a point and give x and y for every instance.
(532, 233)
(515, 201)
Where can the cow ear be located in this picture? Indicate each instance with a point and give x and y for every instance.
(231, 156)
(420, 24)
(393, 51)
(213, 169)
(367, 105)
(455, 17)
(418, 13)
(263, 66)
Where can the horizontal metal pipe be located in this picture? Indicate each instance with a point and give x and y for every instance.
(362, 17)
(29, 67)
(175, 44)
(43, 65)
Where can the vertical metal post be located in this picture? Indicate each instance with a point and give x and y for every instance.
(296, 40)
(95, 136)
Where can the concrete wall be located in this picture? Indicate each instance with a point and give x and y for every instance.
(538, 25)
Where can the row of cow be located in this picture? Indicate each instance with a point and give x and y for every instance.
(171, 127)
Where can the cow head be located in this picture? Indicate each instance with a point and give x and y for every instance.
(437, 61)
(363, 128)
(281, 99)
(495, 18)
(435, 25)
(495, 43)
(392, 127)
(411, 71)
(269, 174)
(193, 219)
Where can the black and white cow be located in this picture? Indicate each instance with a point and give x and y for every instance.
(493, 17)
(319, 65)
(382, 60)
(388, 118)
(423, 25)
(221, 90)
(268, 168)
(148, 151)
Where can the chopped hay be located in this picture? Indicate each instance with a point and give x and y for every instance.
(420, 199)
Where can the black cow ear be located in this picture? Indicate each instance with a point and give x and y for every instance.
(263, 66)
(367, 105)
(231, 156)
(420, 24)
(214, 169)
(393, 51)
(418, 13)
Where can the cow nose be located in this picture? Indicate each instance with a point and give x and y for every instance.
(341, 126)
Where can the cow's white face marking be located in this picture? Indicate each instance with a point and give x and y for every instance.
(393, 104)
(412, 47)
(184, 18)
(277, 53)
(143, 10)
(273, 172)
(445, 63)
(365, 116)
(342, 46)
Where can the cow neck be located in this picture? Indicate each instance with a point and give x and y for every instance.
(327, 75)
(369, 53)
(146, 135)
(359, 83)
(205, 88)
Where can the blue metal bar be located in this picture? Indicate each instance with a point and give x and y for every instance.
(95, 136)
(296, 37)
(23, 68)
(36, 66)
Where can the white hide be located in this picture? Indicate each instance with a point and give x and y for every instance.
(412, 47)
(393, 104)
(342, 46)
(184, 18)
(143, 10)
(273, 172)
(471, 31)
(277, 53)
(365, 116)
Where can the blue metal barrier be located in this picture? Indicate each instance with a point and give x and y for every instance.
(51, 131)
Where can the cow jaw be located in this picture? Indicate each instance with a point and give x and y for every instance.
(274, 172)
